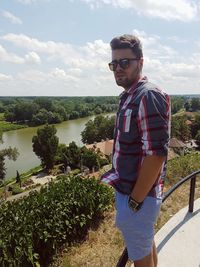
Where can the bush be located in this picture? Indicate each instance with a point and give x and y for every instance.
(180, 167)
(33, 228)
(16, 190)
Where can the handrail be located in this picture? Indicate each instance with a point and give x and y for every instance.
(124, 257)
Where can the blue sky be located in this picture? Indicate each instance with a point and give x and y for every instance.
(61, 47)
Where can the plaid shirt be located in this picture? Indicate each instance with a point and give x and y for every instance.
(142, 128)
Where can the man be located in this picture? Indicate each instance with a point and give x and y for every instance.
(139, 151)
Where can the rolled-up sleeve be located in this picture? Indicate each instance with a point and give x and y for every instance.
(154, 123)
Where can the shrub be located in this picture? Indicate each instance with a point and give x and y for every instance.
(16, 190)
(180, 167)
(33, 228)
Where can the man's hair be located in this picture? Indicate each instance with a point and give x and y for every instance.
(127, 41)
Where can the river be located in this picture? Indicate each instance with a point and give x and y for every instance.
(67, 132)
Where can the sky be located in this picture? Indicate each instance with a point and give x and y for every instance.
(61, 47)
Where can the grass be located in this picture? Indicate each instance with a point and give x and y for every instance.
(7, 126)
(103, 246)
(182, 112)
(1, 116)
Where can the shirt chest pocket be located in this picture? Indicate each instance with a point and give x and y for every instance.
(127, 126)
(125, 120)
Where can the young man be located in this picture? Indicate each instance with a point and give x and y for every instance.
(140, 146)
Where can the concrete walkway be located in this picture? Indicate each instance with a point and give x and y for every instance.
(178, 241)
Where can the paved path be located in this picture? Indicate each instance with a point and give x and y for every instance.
(178, 241)
(40, 179)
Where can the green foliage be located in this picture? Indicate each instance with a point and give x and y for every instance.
(16, 189)
(32, 229)
(90, 158)
(41, 110)
(195, 104)
(195, 125)
(101, 127)
(179, 128)
(1, 116)
(74, 155)
(45, 145)
(177, 103)
(77, 157)
(197, 137)
(7, 126)
(11, 154)
(180, 167)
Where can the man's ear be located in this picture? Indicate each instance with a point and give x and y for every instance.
(141, 61)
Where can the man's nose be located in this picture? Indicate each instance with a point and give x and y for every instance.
(118, 67)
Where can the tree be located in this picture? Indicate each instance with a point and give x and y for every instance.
(69, 155)
(63, 155)
(195, 104)
(179, 128)
(74, 153)
(195, 125)
(90, 158)
(197, 137)
(18, 179)
(10, 153)
(100, 128)
(177, 103)
(45, 145)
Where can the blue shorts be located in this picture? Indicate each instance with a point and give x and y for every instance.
(137, 227)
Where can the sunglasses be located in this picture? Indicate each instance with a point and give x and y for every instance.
(124, 63)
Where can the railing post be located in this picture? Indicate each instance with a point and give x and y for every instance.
(192, 191)
(123, 259)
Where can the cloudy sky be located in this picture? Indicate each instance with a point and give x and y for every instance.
(61, 47)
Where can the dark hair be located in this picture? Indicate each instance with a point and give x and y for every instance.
(127, 41)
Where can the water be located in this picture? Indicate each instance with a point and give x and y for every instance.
(22, 139)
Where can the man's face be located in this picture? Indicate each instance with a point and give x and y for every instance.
(126, 77)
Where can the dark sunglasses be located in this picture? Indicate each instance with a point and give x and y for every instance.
(123, 63)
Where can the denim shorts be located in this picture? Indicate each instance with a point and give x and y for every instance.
(137, 227)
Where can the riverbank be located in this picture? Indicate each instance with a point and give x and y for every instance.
(8, 126)
(67, 132)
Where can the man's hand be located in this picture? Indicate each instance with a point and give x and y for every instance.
(148, 174)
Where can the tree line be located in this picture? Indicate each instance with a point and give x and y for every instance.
(35, 111)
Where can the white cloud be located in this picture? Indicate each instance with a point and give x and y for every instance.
(50, 48)
(62, 75)
(153, 48)
(12, 18)
(67, 69)
(184, 10)
(32, 58)
(9, 57)
(4, 77)
(88, 56)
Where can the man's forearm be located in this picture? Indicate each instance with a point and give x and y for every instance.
(148, 174)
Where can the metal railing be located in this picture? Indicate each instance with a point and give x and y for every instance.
(124, 257)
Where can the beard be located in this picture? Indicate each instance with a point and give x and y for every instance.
(125, 83)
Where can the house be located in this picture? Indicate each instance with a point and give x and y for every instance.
(104, 146)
